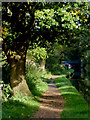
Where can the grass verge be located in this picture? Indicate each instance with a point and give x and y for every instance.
(19, 107)
(75, 106)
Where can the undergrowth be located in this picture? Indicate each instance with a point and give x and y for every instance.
(35, 80)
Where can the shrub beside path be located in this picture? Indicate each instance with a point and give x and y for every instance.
(52, 104)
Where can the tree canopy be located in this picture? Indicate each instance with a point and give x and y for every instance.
(27, 24)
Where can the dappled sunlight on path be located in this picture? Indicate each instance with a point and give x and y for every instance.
(52, 104)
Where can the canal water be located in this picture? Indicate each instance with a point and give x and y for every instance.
(80, 78)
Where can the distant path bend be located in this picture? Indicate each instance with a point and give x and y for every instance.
(52, 104)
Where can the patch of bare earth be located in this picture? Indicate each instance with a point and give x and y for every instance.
(52, 104)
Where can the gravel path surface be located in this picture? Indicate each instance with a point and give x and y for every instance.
(52, 104)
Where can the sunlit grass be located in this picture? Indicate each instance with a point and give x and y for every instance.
(19, 107)
(75, 106)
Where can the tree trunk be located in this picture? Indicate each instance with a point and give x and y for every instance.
(18, 77)
(16, 47)
(42, 64)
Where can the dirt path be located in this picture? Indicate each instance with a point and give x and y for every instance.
(52, 104)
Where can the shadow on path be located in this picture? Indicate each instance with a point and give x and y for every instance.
(52, 104)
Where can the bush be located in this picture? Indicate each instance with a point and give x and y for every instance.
(52, 62)
(34, 80)
(57, 69)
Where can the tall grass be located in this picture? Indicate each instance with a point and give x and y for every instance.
(34, 80)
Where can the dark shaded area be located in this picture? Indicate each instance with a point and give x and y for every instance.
(79, 78)
(6, 73)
